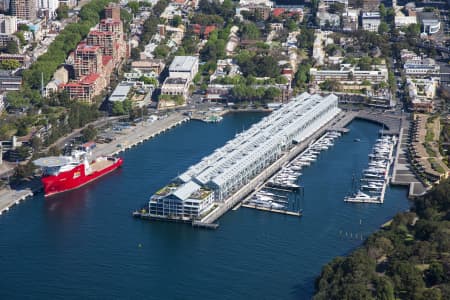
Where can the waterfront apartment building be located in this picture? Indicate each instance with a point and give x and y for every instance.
(8, 24)
(348, 74)
(85, 88)
(24, 9)
(232, 166)
(104, 40)
(95, 58)
(188, 200)
(87, 60)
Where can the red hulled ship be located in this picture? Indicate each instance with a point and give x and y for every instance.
(65, 173)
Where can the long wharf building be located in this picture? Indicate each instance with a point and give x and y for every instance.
(218, 176)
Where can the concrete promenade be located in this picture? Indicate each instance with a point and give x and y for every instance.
(10, 198)
(135, 135)
(402, 173)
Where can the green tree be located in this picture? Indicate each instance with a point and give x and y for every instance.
(11, 47)
(412, 31)
(23, 152)
(117, 108)
(62, 12)
(177, 21)
(36, 143)
(134, 6)
(272, 93)
(89, 133)
(149, 80)
(383, 28)
(10, 64)
(19, 35)
(383, 12)
(384, 289)
(435, 274)
(249, 31)
(161, 51)
(135, 54)
(291, 25)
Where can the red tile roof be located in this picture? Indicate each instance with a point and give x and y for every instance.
(209, 29)
(90, 79)
(71, 84)
(87, 48)
(277, 12)
(106, 59)
(97, 32)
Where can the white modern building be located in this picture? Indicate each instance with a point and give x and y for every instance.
(48, 5)
(419, 66)
(430, 22)
(184, 67)
(371, 21)
(219, 175)
(8, 24)
(348, 74)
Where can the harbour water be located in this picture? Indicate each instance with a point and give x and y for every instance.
(85, 244)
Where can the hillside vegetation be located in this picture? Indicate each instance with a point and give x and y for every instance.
(410, 259)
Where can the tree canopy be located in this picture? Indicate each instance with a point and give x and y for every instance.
(407, 260)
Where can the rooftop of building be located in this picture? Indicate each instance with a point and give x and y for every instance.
(110, 21)
(247, 146)
(98, 32)
(90, 79)
(183, 63)
(175, 80)
(83, 47)
(371, 15)
(121, 91)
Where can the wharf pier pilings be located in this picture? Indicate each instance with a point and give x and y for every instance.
(339, 122)
(139, 134)
(9, 198)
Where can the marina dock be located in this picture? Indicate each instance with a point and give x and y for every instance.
(376, 184)
(9, 198)
(279, 211)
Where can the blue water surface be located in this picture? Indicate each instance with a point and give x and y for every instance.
(85, 244)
